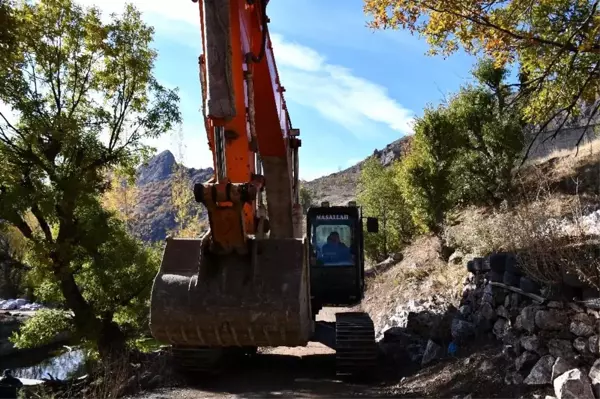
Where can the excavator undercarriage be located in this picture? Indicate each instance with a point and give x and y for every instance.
(254, 279)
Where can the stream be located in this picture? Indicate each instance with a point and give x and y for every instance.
(60, 363)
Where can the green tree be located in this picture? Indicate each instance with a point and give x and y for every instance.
(188, 213)
(380, 197)
(424, 174)
(121, 198)
(490, 136)
(84, 97)
(306, 198)
(554, 43)
(463, 151)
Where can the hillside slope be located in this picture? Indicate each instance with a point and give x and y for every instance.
(340, 187)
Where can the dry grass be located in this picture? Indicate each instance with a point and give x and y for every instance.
(422, 273)
(125, 375)
(547, 234)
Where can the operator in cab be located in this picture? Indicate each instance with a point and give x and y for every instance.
(335, 251)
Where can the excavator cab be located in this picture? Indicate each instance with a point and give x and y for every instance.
(336, 254)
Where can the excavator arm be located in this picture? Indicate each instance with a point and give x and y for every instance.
(255, 148)
(245, 283)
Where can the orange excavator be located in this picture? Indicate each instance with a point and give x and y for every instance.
(255, 279)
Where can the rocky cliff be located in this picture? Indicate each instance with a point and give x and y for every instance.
(154, 213)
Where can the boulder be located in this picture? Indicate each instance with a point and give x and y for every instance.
(501, 327)
(561, 366)
(550, 319)
(462, 330)
(594, 344)
(573, 385)
(555, 305)
(541, 373)
(532, 343)
(528, 317)
(581, 329)
(502, 312)
(574, 307)
(561, 348)
(594, 375)
(581, 345)
(432, 351)
(486, 311)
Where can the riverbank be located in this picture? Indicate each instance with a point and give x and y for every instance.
(10, 322)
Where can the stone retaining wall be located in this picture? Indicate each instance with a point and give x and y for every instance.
(551, 342)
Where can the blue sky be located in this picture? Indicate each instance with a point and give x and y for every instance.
(349, 90)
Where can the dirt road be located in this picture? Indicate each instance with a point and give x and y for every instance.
(284, 372)
(309, 372)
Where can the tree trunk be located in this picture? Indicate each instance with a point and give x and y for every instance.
(109, 338)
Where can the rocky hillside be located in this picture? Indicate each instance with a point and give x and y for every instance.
(154, 214)
(339, 188)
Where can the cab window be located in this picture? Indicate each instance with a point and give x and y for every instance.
(332, 243)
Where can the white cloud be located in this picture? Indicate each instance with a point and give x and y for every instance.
(332, 90)
(335, 92)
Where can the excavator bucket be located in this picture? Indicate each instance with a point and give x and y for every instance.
(260, 299)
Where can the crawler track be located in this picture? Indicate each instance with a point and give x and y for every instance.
(356, 349)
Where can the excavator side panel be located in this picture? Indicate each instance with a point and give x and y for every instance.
(259, 299)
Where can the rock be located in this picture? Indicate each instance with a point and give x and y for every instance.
(581, 345)
(462, 330)
(432, 351)
(561, 366)
(526, 361)
(528, 317)
(549, 397)
(595, 378)
(594, 344)
(501, 327)
(594, 313)
(158, 168)
(502, 312)
(549, 319)
(465, 311)
(555, 305)
(561, 348)
(509, 352)
(573, 385)
(581, 329)
(513, 378)
(532, 343)
(582, 317)
(519, 323)
(507, 301)
(541, 373)
(456, 258)
(514, 300)
(486, 366)
(499, 297)
(582, 325)
(574, 307)
(487, 311)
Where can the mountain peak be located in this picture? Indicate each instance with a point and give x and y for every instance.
(158, 168)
